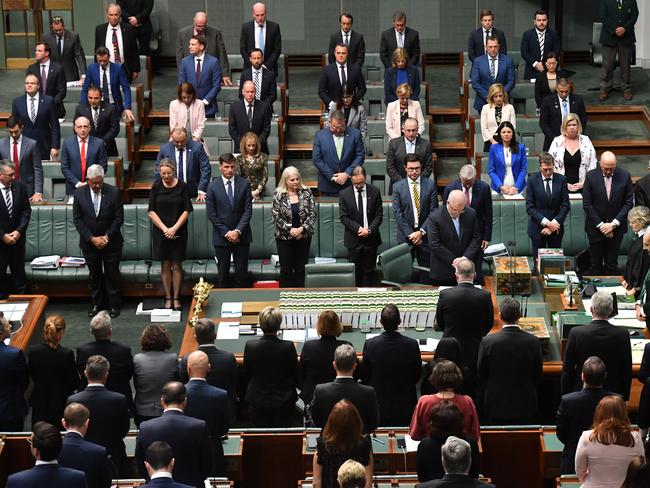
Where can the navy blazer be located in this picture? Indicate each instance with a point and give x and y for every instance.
(31, 168)
(164, 482)
(20, 214)
(71, 159)
(390, 83)
(210, 404)
(197, 164)
(476, 46)
(50, 475)
(120, 88)
(497, 167)
(600, 209)
(356, 47)
(209, 85)
(78, 453)
(540, 207)
(403, 207)
(272, 43)
(329, 85)
(482, 79)
(45, 130)
(327, 161)
(481, 202)
(225, 218)
(530, 49)
(107, 222)
(15, 379)
(56, 83)
(269, 88)
(550, 115)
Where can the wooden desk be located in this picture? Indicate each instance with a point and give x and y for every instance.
(551, 452)
(570, 481)
(32, 318)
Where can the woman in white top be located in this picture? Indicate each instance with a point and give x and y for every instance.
(573, 152)
(401, 109)
(496, 110)
(188, 112)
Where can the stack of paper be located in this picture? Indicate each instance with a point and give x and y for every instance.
(72, 262)
(46, 262)
(321, 260)
(430, 346)
(231, 309)
(165, 315)
(228, 330)
(494, 250)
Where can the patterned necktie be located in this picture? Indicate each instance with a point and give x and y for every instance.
(43, 79)
(96, 203)
(59, 44)
(116, 47)
(231, 197)
(83, 160)
(416, 198)
(8, 201)
(541, 44)
(344, 78)
(198, 69)
(95, 116)
(105, 92)
(181, 171)
(346, 41)
(260, 38)
(467, 198)
(493, 72)
(400, 39)
(565, 108)
(249, 114)
(32, 110)
(258, 85)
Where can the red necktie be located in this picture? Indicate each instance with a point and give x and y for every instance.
(198, 70)
(116, 47)
(16, 160)
(83, 160)
(467, 200)
(43, 79)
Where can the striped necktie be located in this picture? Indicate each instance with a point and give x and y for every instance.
(8, 201)
(416, 198)
(258, 85)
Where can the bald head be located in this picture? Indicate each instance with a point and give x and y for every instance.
(456, 203)
(198, 365)
(608, 163)
(200, 21)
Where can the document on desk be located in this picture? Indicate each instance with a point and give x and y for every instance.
(231, 309)
(516, 196)
(411, 445)
(228, 330)
(430, 346)
(638, 346)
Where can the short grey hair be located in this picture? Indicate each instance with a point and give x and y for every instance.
(456, 455)
(602, 304)
(639, 214)
(100, 325)
(465, 268)
(94, 170)
(5, 163)
(467, 172)
(344, 357)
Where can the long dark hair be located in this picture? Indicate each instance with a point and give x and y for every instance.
(344, 428)
(347, 92)
(514, 145)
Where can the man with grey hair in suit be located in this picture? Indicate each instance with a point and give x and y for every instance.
(24, 153)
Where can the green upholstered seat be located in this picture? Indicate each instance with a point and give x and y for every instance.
(396, 266)
(329, 275)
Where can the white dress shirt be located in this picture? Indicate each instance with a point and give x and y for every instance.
(257, 34)
(109, 42)
(364, 199)
(410, 146)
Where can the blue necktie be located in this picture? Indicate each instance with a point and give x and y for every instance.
(260, 37)
(181, 173)
(231, 197)
(457, 226)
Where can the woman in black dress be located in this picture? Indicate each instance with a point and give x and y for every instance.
(341, 439)
(169, 209)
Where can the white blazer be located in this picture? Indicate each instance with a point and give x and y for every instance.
(489, 122)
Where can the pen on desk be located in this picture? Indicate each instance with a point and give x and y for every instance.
(377, 439)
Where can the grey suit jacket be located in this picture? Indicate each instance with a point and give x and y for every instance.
(396, 155)
(215, 47)
(73, 58)
(151, 370)
(358, 119)
(31, 169)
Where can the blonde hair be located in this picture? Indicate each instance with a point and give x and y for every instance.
(244, 140)
(53, 324)
(167, 163)
(404, 90)
(493, 90)
(288, 172)
(570, 117)
(399, 53)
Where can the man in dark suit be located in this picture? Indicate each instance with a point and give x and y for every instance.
(45, 444)
(203, 72)
(489, 68)
(602, 339)
(109, 413)
(547, 204)
(210, 404)
(79, 153)
(392, 366)
(103, 117)
(250, 115)
(337, 74)
(137, 14)
(13, 369)
(118, 355)
(410, 143)
(617, 37)
(263, 34)
(363, 397)
(159, 462)
(337, 151)
(453, 235)
(188, 437)
(15, 212)
(192, 164)
(66, 49)
(642, 191)
(98, 216)
(399, 36)
(350, 38)
(465, 312)
(361, 213)
(229, 210)
(607, 198)
(557, 106)
(576, 411)
(39, 117)
(509, 369)
(112, 81)
(412, 221)
(78, 453)
(215, 45)
(263, 78)
(24, 153)
(223, 365)
(120, 41)
(478, 37)
(51, 78)
(536, 43)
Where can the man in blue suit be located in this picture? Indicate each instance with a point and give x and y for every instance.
(230, 206)
(536, 43)
(547, 204)
(192, 164)
(203, 72)
(491, 68)
(79, 153)
(111, 78)
(159, 461)
(45, 446)
(412, 222)
(15, 379)
(337, 151)
(78, 453)
(210, 404)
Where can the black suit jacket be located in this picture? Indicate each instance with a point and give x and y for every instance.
(352, 220)
(223, 370)
(14, 382)
(130, 56)
(392, 366)
(329, 85)
(612, 17)
(530, 49)
(599, 209)
(189, 439)
(73, 58)
(642, 191)
(269, 88)
(481, 202)
(465, 312)
(45, 130)
(55, 86)
(550, 115)
(362, 396)
(509, 369)
(575, 415)
(539, 206)
(476, 46)
(238, 123)
(356, 47)
(77, 453)
(396, 156)
(108, 124)
(109, 419)
(272, 44)
(21, 211)
(609, 343)
(446, 246)
(315, 365)
(107, 222)
(455, 481)
(388, 44)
